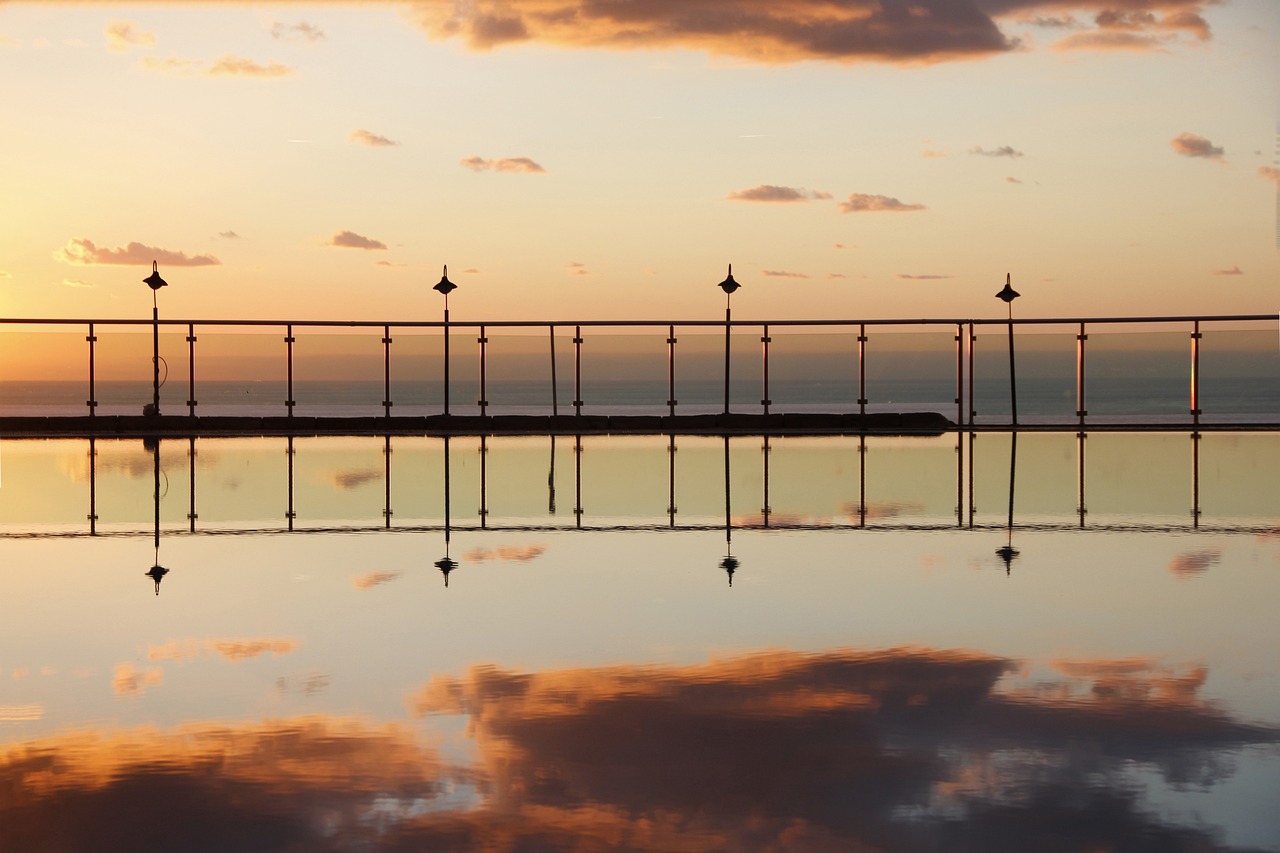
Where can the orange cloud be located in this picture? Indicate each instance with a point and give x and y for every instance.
(236, 66)
(863, 202)
(308, 783)
(83, 252)
(355, 478)
(925, 277)
(372, 579)
(1271, 173)
(128, 680)
(352, 240)
(227, 66)
(301, 31)
(505, 164)
(121, 36)
(513, 553)
(772, 751)
(1002, 151)
(369, 138)
(784, 274)
(232, 650)
(771, 193)
(1191, 145)
(1234, 270)
(927, 31)
(1195, 562)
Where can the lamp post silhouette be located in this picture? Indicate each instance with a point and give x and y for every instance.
(155, 282)
(444, 286)
(1008, 294)
(728, 286)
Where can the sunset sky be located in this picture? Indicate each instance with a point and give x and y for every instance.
(580, 159)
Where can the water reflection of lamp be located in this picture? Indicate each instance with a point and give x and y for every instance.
(729, 563)
(728, 286)
(157, 571)
(445, 564)
(1008, 294)
(444, 286)
(1006, 552)
(551, 480)
(155, 282)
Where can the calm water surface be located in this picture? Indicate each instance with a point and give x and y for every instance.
(871, 675)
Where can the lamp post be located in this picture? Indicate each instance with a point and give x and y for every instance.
(1008, 294)
(155, 282)
(728, 286)
(444, 286)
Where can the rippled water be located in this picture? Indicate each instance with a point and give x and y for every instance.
(871, 675)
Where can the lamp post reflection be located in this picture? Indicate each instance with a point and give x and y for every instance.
(730, 563)
(1006, 552)
(445, 564)
(157, 571)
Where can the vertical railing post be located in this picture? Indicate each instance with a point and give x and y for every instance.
(671, 480)
(862, 368)
(555, 397)
(1081, 507)
(386, 480)
(959, 374)
(386, 371)
(92, 402)
(764, 342)
(959, 478)
(1195, 480)
(483, 341)
(290, 402)
(191, 459)
(577, 371)
(1195, 374)
(484, 482)
(764, 509)
(93, 486)
(671, 370)
(289, 512)
(973, 411)
(191, 369)
(577, 480)
(1081, 411)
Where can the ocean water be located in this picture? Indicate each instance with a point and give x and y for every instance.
(1045, 400)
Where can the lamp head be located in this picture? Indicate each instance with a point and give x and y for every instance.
(1008, 294)
(444, 286)
(729, 285)
(154, 281)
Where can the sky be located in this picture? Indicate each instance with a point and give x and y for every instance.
(582, 159)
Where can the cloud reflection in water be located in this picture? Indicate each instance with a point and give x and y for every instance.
(901, 749)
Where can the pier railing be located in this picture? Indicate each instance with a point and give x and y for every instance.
(669, 367)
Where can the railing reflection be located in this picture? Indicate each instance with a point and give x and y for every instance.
(857, 482)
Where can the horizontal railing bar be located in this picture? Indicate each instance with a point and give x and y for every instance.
(542, 324)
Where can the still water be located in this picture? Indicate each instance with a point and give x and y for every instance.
(603, 643)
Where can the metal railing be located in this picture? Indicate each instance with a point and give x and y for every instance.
(965, 338)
